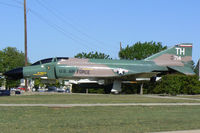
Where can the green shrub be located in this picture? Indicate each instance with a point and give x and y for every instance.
(130, 88)
(178, 84)
(76, 88)
(98, 91)
(171, 84)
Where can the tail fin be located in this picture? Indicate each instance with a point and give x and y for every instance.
(178, 58)
(173, 56)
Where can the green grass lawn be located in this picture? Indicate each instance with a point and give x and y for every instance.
(127, 119)
(190, 96)
(80, 98)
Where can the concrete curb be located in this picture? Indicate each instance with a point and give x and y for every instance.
(184, 131)
(98, 104)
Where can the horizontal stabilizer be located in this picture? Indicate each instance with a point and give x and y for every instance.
(183, 70)
(138, 75)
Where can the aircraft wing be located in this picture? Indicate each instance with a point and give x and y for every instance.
(136, 75)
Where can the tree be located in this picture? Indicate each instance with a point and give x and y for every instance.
(92, 55)
(38, 83)
(140, 50)
(11, 58)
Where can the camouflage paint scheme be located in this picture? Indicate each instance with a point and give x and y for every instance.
(175, 59)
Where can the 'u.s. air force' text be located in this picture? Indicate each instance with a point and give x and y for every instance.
(79, 71)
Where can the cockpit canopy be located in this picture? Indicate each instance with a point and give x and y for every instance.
(48, 60)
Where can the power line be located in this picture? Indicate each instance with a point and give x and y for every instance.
(10, 5)
(60, 17)
(58, 28)
(55, 26)
(19, 2)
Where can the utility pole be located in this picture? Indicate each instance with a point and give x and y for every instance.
(120, 46)
(25, 40)
(198, 67)
(141, 89)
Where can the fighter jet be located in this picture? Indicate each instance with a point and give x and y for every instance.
(177, 59)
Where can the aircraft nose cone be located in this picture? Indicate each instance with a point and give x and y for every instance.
(14, 73)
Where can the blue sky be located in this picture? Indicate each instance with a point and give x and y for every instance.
(67, 27)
